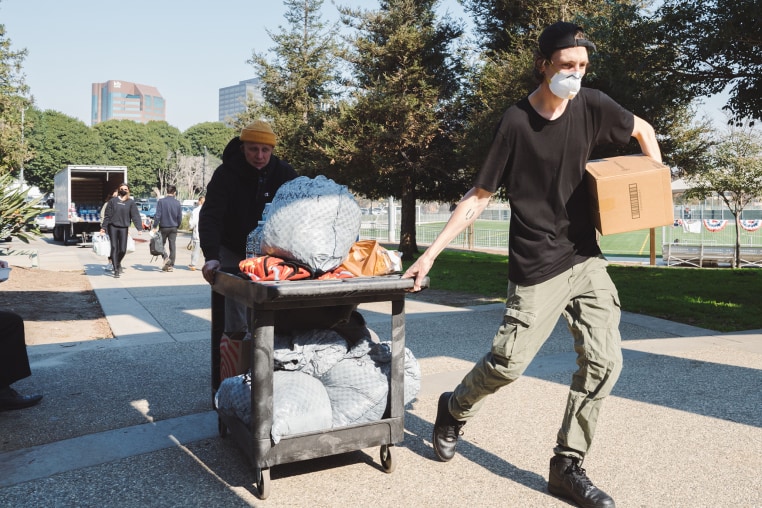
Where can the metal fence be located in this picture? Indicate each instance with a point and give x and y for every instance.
(429, 223)
(714, 232)
(714, 225)
(698, 225)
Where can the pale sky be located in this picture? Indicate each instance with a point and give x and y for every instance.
(187, 49)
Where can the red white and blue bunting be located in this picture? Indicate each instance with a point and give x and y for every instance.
(715, 225)
(751, 224)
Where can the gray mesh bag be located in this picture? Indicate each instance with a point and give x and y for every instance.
(358, 390)
(313, 221)
(300, 403)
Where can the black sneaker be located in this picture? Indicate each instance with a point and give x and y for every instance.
(569, 481)
(447, 430)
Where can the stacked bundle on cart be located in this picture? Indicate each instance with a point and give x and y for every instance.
(334, 371)
(322, 382)
(313, 221)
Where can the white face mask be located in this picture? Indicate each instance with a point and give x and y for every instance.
(565, 86)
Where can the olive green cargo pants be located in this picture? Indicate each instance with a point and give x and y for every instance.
(587, 298)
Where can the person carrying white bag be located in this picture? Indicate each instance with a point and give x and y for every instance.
(102, 245)
(120, 211)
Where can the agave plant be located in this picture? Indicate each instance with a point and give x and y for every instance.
(17, 212)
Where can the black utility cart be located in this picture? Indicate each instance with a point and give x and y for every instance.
(265, 298)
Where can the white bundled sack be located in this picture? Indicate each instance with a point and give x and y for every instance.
(358, 385)
(300, 402)
(101, 244)
(313, 221)
(358, 390)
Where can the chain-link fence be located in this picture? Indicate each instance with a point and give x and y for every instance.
(698, 225)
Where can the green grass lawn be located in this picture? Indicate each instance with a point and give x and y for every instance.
(719, 299)
(634, 243)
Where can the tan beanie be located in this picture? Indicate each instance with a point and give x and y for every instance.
(258, 132)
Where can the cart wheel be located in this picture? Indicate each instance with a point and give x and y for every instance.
(387, 461)
(262, 482)
(222, 428)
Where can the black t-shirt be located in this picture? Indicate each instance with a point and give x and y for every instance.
(542, 165)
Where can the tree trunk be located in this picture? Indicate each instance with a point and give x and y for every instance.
(408, 245)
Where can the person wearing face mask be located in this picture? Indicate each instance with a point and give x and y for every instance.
(110, 266)
(539, 152)
(247, 179)
(120, 211)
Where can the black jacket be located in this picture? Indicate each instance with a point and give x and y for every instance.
(169, 213)
(235, 198)
(120, 213)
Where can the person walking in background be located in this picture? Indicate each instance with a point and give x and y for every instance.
(120, 211)
(14, 361)
(539, 152)
(195, 242)
(168, 217)
(247, 179)
(110, 265)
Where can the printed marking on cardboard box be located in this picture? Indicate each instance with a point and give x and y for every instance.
(634, 201)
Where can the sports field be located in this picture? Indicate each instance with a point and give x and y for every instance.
(634, 243)
(494, 234)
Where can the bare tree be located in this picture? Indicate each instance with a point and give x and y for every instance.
(188, 176)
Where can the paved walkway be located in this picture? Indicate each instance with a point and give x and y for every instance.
(128, 422)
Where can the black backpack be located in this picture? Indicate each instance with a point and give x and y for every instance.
(156, 245)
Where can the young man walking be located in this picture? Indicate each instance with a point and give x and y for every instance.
(539, 153)
(168, 217)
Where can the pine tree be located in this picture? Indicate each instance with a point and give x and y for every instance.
(299, 84)
(392, 136)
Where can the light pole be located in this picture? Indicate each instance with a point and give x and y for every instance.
(23, 151)
(203, 173)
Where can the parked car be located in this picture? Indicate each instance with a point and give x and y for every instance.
(46, 221)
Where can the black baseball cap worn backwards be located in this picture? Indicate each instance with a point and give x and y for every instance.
(560, 35)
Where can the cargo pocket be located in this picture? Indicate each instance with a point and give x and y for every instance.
(605, 309)
(505, 344)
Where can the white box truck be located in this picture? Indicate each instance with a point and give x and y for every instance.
(79, 193)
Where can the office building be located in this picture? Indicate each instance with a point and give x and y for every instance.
(122, 100)
(233, 99)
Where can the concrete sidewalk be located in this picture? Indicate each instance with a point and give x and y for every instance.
(128, 421)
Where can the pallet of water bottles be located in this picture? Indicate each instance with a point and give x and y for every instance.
(85, 213)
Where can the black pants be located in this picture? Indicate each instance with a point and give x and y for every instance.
(118, 245)
(14, 362)
(169, 234)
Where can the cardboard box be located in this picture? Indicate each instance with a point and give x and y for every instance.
(629, 193)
